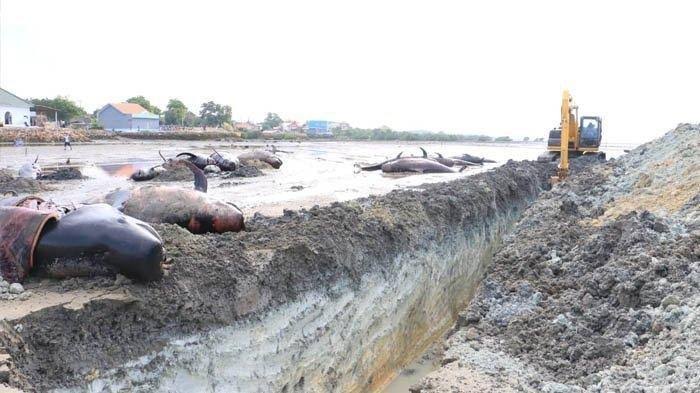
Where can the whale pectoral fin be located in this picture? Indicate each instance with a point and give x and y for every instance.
(439, 155)
(463, 168)
(399, 155)
(425, 153)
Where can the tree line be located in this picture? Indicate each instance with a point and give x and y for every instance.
(176, 112)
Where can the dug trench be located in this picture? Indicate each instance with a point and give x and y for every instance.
(335, 298)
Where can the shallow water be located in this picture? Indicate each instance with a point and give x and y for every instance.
(313, 172)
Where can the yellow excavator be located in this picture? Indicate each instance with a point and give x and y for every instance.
(573, 138)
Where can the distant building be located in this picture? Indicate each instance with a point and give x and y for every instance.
(126, 116)
(14, 111)
(42, 116)
(246, 126)
(290, 126)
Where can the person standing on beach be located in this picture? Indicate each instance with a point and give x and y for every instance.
(66, 142)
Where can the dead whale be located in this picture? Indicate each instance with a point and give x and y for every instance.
(448, 162)
(260, 155)
(200, 161)
(89, 240)
(191, 209)
(225, 162)
(410, 164)
(473, 159)
(415, 164)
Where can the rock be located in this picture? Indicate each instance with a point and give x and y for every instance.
(4, 286)
(668, 300)
(16, 288)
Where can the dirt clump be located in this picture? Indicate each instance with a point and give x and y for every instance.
(245, 171)
(597, 287)
(63, 174)
(10, 183)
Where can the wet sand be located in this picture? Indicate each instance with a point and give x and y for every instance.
(313, 173)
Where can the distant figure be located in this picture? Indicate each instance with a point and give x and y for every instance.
(66, 142)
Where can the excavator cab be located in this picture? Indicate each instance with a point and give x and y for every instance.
(591, 130)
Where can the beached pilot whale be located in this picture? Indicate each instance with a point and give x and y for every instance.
(473, 159)
(448, 162)
(200, 161)
(261, 155)
(224, 161)
(410, 164)
(191, 209)
(90, 240)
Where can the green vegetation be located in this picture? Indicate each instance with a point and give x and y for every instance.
(67, 109)
(141, 100)
(176, 112)
(271, 121)
(386, 134)
(213, 114)
(503, 139)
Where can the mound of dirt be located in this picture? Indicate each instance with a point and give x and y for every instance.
(9, 183)
(64, 174)
(245, 171)
(598, 286)
(175, 173)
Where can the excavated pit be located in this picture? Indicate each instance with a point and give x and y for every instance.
(335, 298)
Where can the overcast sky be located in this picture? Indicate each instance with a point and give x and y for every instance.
(494, 67)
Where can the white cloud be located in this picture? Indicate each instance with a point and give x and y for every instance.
(496, 67)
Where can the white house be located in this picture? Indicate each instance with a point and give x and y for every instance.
(14, 111)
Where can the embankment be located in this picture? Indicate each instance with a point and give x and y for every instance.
(597, 288)
(335, 298)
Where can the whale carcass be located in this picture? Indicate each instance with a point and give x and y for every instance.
(89, 240)
(191, 209)
(260, 155)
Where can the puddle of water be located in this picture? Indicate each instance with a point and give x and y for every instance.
(414, 372)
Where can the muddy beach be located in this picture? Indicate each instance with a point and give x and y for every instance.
(337, 297)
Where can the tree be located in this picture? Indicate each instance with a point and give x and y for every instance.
(213, 114)
(67, 109)
(225, 115)
(176, 112)
(271, 121)
(141, 100)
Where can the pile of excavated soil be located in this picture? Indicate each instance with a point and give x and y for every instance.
(245, 171)
(215, 280)
(63, 174)
(597, 288)
(9, 183)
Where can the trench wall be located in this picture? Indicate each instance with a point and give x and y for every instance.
(337, 298)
